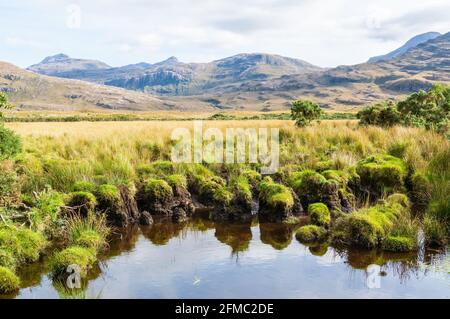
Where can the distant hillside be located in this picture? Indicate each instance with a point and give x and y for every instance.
(413, 42)
(30, 91)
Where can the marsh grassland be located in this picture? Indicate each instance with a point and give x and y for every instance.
(339, 183)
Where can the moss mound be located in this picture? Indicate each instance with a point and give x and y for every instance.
(83, 257)
(319, 214)
(308, 185)
(83, 186)
(177, 180)
(84, 202)
(398, 244)
(89, 239)
(9, 282)
(157, 190)
(382, 174)
(310, 234)
(108, 197)
(275, 196)
(22, 244)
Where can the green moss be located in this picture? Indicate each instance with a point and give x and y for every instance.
(308, 185)
(319, 214)
(24, 244)
(7, 259)
(340, 177)
(277, 196)
(253, 177)
(108, 197)
(311, 233)
(83, 257)
(207, 187)
(242, 189)
(382, 174)
(157, 190)
(367, 227)
(9, 282)
(177, 180)
(398, 244)
(223, 196)
(323, 165)
(84, 202)
(83, 186)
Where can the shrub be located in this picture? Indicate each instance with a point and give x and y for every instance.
(9, 282)
(399, 244)
(382, 174)
(319, 214)
(382, 114)
(420, 191)
(303, 112)
(84, 202)
(83, 186)
(311, 233)
(10, 144)
(82, 257)
(435, 232)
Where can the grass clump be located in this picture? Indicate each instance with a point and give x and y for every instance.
(399, 244)
(156, 190)
(46, 211)
(83, 186)
(82, 257)
(157, 168)
(319, 214)
(84, 202)
(382, 174)
(90, 232)
(311, 233)
(9, 282)
(108, 196)
(436, 234)
(420, 191)
(308, 185)
(177, 180)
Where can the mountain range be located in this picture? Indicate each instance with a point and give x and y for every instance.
(254, 81)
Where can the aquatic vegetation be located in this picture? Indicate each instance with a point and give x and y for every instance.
(319, 214)
(311, 233)
(9, 282)
(82, 257)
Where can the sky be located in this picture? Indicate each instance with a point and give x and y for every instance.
(326, 33)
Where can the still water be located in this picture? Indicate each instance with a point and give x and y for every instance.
(202, 259)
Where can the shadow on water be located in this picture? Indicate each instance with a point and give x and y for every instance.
(205, 239)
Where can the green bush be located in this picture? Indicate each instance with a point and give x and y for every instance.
(9, 282)
(311, 233)
(84, 202)
(10, 144)
(382, 174)
(319, 214)
(399, 244)
(383, 114)
(83, 257)
(303, 112)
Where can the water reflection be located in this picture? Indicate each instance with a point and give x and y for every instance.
(271, 261)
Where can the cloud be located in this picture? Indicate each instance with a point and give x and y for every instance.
(21, 42)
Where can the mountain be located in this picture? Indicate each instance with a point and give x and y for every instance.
(270, 82)
(62, 64)
(418, 39)
(172, 77)
(30, 91)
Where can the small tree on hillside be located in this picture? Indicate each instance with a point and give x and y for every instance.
(10, 143)
(4, 104)
(303, 112)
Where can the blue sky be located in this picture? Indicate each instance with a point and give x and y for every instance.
(322, 32)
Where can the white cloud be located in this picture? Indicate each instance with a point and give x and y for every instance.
(324, 32)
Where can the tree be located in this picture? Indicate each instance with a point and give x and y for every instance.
(303, 112)
(10, 143)
(4, 104)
